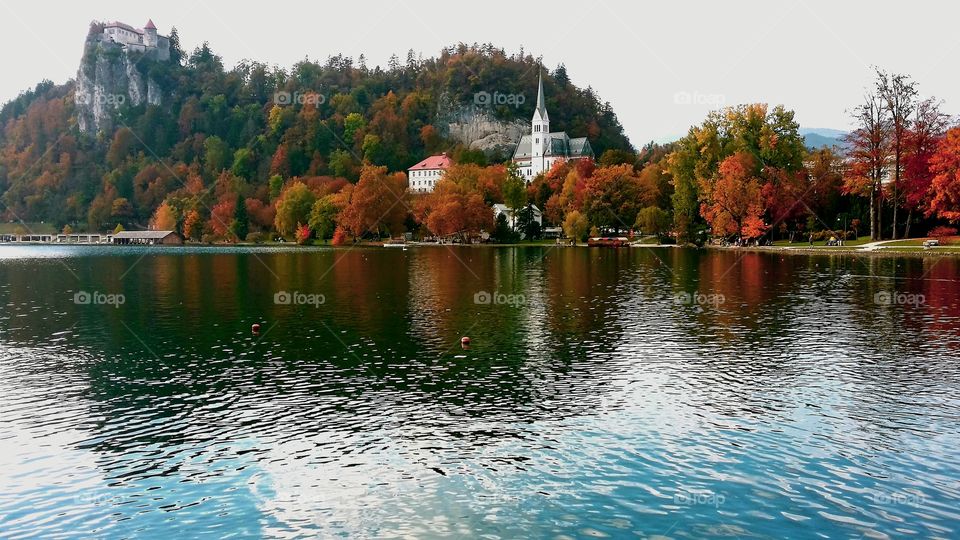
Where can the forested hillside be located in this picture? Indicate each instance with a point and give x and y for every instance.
(248, 131)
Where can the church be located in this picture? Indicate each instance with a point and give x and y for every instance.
(537, 152)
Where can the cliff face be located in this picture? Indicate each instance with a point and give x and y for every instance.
(109, 79)
(477, 128)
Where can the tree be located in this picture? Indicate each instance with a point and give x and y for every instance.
(503, 233)
(612, 197)
(945, 165)
(653, 220)
(514, 189)
(899, 94)
(575, 226)
(293, 208)
(732, 202)
(928, 128)
(240, 225)
(452, 209)
(303, 234)
(193, 225)
(164, 218)
(868, 156)
(323, 217)
(377, 204)
(67, 229)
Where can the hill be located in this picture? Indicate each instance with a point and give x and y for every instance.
(139, 128)
(816, 138)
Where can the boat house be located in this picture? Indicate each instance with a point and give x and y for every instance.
(147, 238)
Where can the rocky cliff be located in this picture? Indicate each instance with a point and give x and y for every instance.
(110, 77)
(477, 128)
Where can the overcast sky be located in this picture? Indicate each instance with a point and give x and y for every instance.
(649, 59)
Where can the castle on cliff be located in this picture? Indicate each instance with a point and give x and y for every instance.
(145, 40)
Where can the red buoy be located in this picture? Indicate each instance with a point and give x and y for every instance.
(464, 340)
(255, 329)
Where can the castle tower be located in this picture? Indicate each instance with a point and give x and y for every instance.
(150, 38)
(540, 133)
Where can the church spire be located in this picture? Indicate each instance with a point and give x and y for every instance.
(541, 102)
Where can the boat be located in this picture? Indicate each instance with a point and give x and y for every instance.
(608, 241)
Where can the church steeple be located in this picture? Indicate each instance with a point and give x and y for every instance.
(541, 103)
(539, 134)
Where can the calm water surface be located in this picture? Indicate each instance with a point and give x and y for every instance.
(607, 393)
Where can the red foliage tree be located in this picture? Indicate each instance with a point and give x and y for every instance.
(945, 166)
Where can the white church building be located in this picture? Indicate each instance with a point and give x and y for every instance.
(537, 152)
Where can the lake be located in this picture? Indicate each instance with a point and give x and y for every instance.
(664, 393)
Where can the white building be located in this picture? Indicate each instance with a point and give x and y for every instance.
(138, 39)
(423, 177)
(511, 220)
(537, 152)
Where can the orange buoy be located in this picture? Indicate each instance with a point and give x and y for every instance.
(255, 329)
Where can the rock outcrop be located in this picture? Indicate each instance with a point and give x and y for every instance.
(110, 78)
(478, 129)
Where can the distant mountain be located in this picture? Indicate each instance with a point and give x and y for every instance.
(823, 137)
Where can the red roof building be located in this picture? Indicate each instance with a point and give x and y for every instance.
(423, 176)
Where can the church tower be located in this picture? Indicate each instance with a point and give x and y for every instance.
(540, 132)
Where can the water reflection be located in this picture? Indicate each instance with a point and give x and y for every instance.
(591, 401)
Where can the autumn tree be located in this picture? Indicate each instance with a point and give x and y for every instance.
(945, 166)
(293, 208)
(164, 218)
(927, 130)
(653, 220)
(575, 226)
(868, 156)
(451, 209)
(732, 201)
(377, 204)
(899, 95)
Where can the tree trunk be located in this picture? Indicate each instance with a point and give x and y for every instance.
(873, 216)
(906, 232)
(895, 207)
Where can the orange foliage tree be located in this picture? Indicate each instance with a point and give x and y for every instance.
(731, 201)
(945, 165)
(164, 218)
(451, 209)
(377, 204)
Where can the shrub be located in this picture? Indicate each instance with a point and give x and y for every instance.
(256, 238)
(946, 235)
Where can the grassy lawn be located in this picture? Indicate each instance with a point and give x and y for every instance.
(823, 243)
(27, 228)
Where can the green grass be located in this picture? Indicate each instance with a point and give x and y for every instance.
(822, 243)
(27, 228)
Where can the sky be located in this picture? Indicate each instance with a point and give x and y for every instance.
(662, 65)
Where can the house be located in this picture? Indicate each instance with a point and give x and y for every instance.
(147, 238)
(503, 209)
(423, 177)
(537, 152)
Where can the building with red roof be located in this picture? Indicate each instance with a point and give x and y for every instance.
(423, 177)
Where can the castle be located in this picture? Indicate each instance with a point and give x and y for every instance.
(145, 40)
(537, 152)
